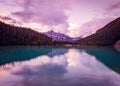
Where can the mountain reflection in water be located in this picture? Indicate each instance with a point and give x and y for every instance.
(59, 66)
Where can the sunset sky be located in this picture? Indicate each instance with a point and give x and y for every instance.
(71, 17)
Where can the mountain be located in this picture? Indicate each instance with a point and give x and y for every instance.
(108, 35)
(12, 35)
(59, 37)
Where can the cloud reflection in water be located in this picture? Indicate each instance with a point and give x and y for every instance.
(73, 68)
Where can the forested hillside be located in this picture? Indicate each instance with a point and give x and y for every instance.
(12, 35)
(108, 35)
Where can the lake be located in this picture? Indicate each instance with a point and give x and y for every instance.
(59, 66)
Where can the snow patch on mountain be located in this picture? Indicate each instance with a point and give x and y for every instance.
(61, 37)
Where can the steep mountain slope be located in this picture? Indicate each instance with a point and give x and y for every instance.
(59, 37)
(108, 35)
(11, 35)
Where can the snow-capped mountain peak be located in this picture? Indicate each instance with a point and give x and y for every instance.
(60, 37)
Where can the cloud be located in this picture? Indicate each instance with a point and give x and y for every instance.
(6, 18)
(47, 70)
(9, 19)
(46, 12)
(25, 16)
(2, 1)
(114, 6)
(112, 10)
(74, 68)
(57, 15)
(91, 27)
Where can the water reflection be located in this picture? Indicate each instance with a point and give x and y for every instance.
(73, 67)
(107, 55)
(10, 54)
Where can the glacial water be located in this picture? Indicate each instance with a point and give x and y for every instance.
(59, 66)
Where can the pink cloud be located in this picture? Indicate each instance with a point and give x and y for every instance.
(6, 18)
(114, 6)
(58, 14)
(25, 16)
(42, 11)
(10, 20)
(45, 12)
(92, 26)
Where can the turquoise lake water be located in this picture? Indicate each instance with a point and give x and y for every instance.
(59, 66)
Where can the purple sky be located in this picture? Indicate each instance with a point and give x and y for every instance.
(71, 17)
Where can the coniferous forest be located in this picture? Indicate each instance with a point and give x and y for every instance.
(12, 35)
(106, 36)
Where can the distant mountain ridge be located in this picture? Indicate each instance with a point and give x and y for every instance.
(59, 37)
(106, 36)
(12, 35)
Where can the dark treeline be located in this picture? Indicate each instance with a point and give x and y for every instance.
(65, 43)
(12, 35)
(108, 35)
